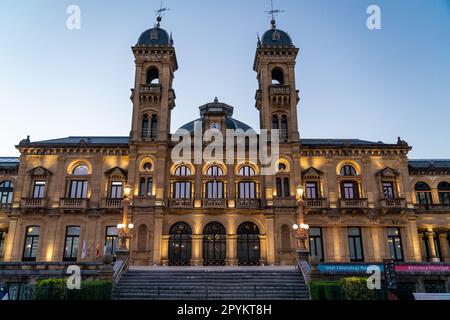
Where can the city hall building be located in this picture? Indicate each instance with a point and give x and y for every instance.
(364, 201)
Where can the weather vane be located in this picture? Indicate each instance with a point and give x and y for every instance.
(272, 13)
(160, 12)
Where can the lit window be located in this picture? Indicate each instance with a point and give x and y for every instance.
(316, 243)
(71, 243)
(31, 243)
(81, 170)
(39, 189)
(111, 239)
(6, 192)
(395, 244)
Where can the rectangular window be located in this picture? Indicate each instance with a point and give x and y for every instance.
(214, 190)
(279, 187)
(424, 198)
(286, 187)
(2, 241)
(111, 239)
(388, 190)
(355, 244)
(31, 243)
(395, 244)
(316, 243)
(39, 189)
(247, 190)
(149, 186)
(350, 190)
(71, 244)
(312, 191)
(182, 190)
(78, 189)
(116, 190)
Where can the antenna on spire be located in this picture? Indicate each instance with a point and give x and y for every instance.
(159, 13)
(272, 13)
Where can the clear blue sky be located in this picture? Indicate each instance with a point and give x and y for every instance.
(354, 83)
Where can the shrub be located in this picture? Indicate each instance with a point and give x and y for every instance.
(355, 288)
(325, 290)
(50, 289)
(56, 289)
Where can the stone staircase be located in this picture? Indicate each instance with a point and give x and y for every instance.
(215, 283)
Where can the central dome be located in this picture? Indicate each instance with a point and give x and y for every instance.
(217, 108)
(155, 36)
(276, 37)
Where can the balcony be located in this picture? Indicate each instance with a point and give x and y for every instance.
(112, 203)
(149, 135)
(151, 88)
(150, 94)
(5, 207)
(34, 203)
(393, 203)
(353, 203)
(279, 90)
(433, 208)
(248, 203)
(319, 203)
(181, 203)
(214, 203)
(73, 204)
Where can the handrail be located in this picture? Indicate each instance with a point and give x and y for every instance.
(119, 269)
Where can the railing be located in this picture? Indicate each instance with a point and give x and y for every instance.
(120, 266)
(69, 203)
(149, 134)
(112, 203)
(5, 207)
(33, 203)
(214, 203)
(151, 88)
(433, 207)
(181, 203)
(316, 203)
(279, 90)
(353, 203)
(393, 203)
(248, 203)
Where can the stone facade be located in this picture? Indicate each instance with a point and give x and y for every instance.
(78, 182)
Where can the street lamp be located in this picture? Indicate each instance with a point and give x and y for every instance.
(301, 228)
(124, 228)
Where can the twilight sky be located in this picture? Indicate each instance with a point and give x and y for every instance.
(354, 83)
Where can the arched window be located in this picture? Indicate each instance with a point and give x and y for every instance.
(214, 244)
(285, 238)
(277, 76)
(180, 244)
(183, 171)
(348, 170)
(214, 171)
(6, 192)
(246, 171)
(248, 244)
(281, 167)
(78, 183)
(423, 193)
(81, 170)
(152, 76)
(154, 127)
(142, 238)
(444, 193)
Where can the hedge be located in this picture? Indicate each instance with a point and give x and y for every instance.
(350, 288)
(56, 289)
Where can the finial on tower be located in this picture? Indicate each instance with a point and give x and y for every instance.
(272, 13)
(159, 13)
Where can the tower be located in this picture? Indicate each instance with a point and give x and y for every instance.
(277, 97)
(153, 96)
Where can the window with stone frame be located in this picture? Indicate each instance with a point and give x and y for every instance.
(78, 182)
(247, 183)
(312, 178)
(215, 183)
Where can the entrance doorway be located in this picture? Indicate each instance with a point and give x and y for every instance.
(214, 244)
(248, 245)
(180, 245)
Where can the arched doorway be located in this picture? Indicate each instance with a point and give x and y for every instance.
(214, 244)
(248, 244)
(180, 245)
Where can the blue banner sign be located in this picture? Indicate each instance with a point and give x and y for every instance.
(346, 268)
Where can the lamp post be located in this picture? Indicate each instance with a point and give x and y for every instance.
(300, 227)
(125, 227)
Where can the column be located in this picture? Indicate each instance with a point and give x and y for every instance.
(412, 242)
(434, 257)
(158, 238)
(270, 240)
(263, 249)
(163, 258)
(231, 250)
(9, 254)
(197, 246)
